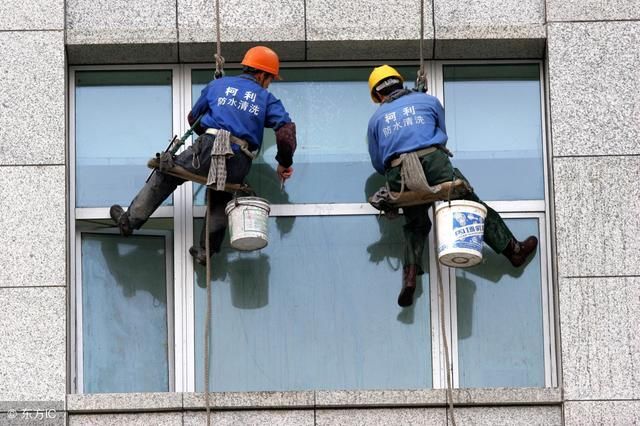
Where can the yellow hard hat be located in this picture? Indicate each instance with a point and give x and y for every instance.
(377, 75)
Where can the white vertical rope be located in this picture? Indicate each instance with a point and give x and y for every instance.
(443, 328)
(207, 324)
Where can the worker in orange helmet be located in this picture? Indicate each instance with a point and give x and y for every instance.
(424, 135)
(234, 112)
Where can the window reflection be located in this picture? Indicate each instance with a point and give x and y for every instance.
(122, 119)
(315, 309)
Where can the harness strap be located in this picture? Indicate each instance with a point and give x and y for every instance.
(243, 144)
(220, 151)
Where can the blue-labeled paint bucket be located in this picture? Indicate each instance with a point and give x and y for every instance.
(460, 227)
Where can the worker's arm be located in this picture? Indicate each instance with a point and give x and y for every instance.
(286, 141)
(440, 116)
(192, 119)
(199, 108)
(374, 150)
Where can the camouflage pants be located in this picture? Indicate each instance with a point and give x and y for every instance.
(438, 168)
(161, 185)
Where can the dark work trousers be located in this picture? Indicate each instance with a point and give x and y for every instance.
(437, 169)
(161, 185)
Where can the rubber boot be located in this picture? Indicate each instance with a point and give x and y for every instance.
(121, 218)
(408, 285)
(518, 252)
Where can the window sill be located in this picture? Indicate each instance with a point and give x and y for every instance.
(154, 402)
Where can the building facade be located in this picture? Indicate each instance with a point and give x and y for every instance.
(543, 114)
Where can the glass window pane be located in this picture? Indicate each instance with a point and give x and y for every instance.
(500, 330)
(494, 125)
(124, 313)
(315, 309)
(122, 119)
(331, 108)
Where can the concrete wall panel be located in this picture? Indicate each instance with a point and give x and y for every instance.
(594, 413)
(368, 29)
(594, 73)
(600, 342)
(32, 108)
(252, 418)
(242, 24)
(597, 223)
(524, 416)
(32, 236)
(32, 15)
(132, 419)
(592, 10)
(382, 417)
(117, 31)
(32, 359)
(494, 29)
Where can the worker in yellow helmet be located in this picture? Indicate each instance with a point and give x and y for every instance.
(412, 123)
(234, 112)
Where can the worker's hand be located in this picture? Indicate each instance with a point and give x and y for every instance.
(284, 173)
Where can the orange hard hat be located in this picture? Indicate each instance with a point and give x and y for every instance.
(262, 58)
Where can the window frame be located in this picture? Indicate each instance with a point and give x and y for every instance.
(184, 212)
(78, 366)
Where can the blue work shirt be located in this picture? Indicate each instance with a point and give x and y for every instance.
(241, 106)
(409, 123)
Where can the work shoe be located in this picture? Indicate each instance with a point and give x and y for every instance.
(518, 252)
(199, 255)
(121, 218)
(408, 285)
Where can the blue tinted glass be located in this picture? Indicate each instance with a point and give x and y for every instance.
(500, 340)
(315, 309)
(124, 314)
(122, 119)
(494, 125)
(331, 108)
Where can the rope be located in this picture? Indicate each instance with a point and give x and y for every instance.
(207, 325)
(219, 72)
(443, 330)
(219, 58)
(421, 78)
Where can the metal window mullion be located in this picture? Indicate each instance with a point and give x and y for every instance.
(173, 352)
(177, 277)
(187, 238)
(452, 322)
(547, 247)
(76, 310)
(548, 311)
(437, 350)
(77, 304)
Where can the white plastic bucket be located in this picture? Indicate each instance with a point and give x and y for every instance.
(460, 226)
(248, 223)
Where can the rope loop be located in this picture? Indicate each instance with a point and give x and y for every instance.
(219, 72)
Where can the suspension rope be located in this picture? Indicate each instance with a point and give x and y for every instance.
(207, 324)
(443, 329)
(421, 78)
(218, 56)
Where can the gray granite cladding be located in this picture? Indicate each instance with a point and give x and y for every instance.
(600, 343)
(592, 10)
(32, 330)
(32, 99)
(32, 236)
(594, 74)
(597, 224)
